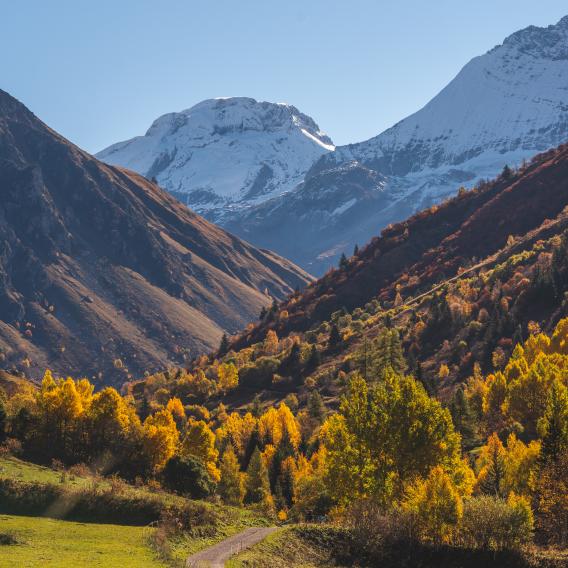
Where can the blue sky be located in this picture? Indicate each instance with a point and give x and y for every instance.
(102, 71)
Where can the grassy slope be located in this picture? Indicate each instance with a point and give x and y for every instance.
(13, 468)
(53, 543)
(232, 519)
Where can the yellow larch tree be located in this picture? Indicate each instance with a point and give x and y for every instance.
(199, 441)
(160, 438)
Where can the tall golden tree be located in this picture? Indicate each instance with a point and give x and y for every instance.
(160, 438)
(199, 441)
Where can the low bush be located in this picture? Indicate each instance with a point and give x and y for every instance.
(197, 519)
(7, 539)
(95, 504)
(11, 447)
(188, 476)
(490, 534)
(260, 373)
(491, 523)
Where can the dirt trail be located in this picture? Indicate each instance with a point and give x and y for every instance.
(215, 556)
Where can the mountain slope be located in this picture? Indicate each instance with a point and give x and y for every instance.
(225, 154)
(101, 271)
(502, 108)
(461, 284)
(436, 244)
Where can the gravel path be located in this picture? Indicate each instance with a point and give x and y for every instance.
(215, 556)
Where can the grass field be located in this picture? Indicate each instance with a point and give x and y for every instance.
(51, 543)
(92, 540)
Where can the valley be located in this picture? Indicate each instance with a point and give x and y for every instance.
(233, 342)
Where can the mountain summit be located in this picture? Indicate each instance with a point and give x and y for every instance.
(509, 103)
(225, 153)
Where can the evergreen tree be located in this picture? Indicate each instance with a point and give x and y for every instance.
(263, 312)
(464, 419)
(23, 426)
(356, 250)
(231, 486)
(293, 363)
(316, 408)
(314, 359)
(383, 353)
(257, 483)
(507, 173)
(343, 262)
(335, 338)
(284, 450)
(285, 484)
(252, 445)
(279, 499)
(145, 409)
(553, 426)
(224, 346)
(256, 409)
(396, 355)
(428, 384)
(272, 311)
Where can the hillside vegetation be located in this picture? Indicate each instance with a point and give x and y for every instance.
(485, 473)
(429, 422)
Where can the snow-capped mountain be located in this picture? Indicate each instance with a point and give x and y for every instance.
(224, 154)
(503, 107)
(268, 174)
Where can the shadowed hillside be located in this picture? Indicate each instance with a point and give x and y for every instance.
(103, 272)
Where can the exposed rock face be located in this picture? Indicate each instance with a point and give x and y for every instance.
(103, 272)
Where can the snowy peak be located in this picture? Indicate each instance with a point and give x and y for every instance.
(268, 173)
(239, 114)
(225, 152)
(550, 42)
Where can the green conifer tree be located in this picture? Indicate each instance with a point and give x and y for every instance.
(257, 482)
(231, 487)
(334, 337)
(553, 426)
(224, 346)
